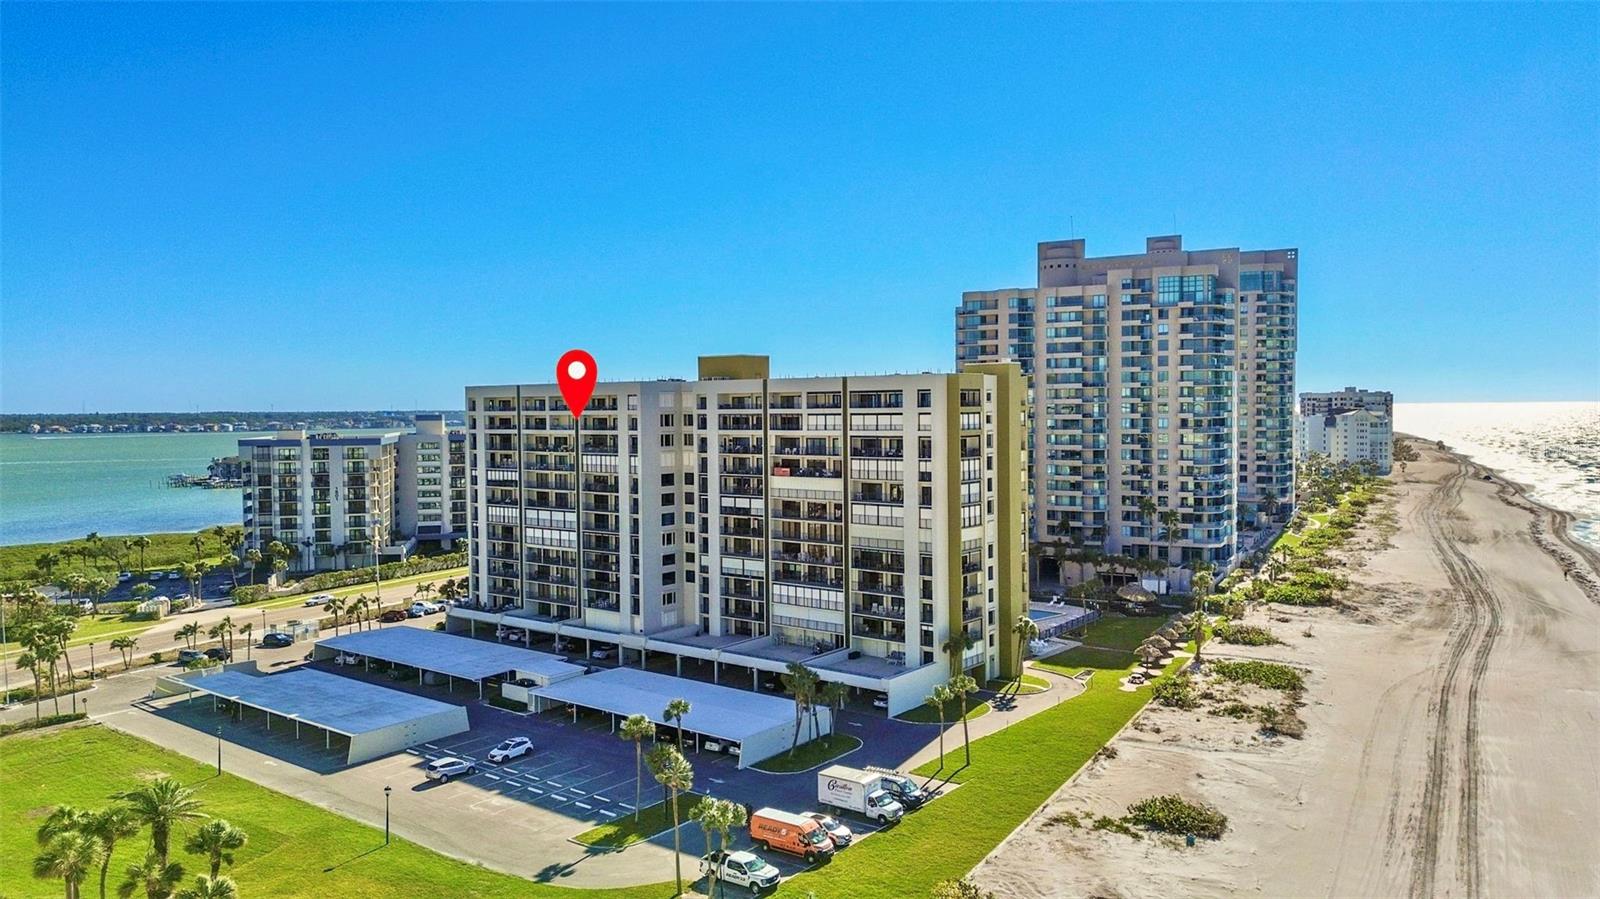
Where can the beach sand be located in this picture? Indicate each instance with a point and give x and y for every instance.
(1452, 745)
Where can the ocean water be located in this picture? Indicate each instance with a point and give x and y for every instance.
(1554, 448)
(60, 487)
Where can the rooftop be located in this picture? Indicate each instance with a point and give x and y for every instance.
(448, 654)
(339, 704)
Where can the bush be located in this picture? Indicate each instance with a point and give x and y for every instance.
(959, 889)
(1292, 594)
(45, 721)
(1244, 634)
(1176, 692)
(1263, 674)
(1174, 814)
(1281, 721)
(1116, 825)
(157, 658)
(1235, 710)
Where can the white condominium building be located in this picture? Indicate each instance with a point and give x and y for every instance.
(1379, 401)
(1352, 436)
(860, 525)
(1162, 392)
(341, 500)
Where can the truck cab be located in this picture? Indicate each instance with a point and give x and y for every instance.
(745, 869)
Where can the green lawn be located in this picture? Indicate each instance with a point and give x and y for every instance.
(166, 551)
(928, 714)
(810, 755)
(1030, 685)
(1121, 632)
(652, 820)
(295, 849)
(1013, 772)
(1073, 661)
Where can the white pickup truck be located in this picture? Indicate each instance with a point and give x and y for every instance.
(745, 869)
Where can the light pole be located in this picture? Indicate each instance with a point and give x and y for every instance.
(386, 791)
(91, 666)
(219, 750)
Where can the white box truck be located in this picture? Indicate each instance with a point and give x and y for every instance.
(851, 789)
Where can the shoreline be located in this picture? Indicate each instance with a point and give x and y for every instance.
(1447, 708)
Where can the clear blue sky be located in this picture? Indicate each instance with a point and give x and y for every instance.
(360, 205)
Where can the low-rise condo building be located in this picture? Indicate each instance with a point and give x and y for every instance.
(1351, 436)
(1162, 393)
(870, 527)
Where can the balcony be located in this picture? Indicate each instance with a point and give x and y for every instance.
(890, 611)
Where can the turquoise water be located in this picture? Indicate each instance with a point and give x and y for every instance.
(60, 487)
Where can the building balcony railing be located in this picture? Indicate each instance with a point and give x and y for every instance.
(890, 611)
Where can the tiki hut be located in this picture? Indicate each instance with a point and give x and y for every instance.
(1157, 641)
(1149, 655)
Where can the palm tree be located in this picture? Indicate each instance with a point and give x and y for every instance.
(424, 591)
(142, 591)
(198, 541)
(675, 711)
(44, 652)
(1027, 630)
(70, 856)
(141, 543)
(717, 817)
(956, 646)
(253, 557)
(940, 697)
(31, 662)
(676, 775)
(832, 695)
(152, 875)
(111, 825)
(799, 682)
(163, 804)
(97, 587)
(126, 645)
(211, 888)
(335, 607)
(189, 633)
(91, 547)
(962, 686)
(215, 632)
(636, 728)
(216, 840)
(47, 562)
(1171, 521)
(62, 819)
(245, 633)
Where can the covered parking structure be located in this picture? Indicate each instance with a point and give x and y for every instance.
(762, 725)
(447, 657)
(375, 720)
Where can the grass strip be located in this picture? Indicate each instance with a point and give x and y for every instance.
(653, 820)
(810, 755)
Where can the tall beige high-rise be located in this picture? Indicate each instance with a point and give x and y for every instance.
(1162, 393)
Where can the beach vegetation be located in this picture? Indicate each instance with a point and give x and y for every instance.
(1176, 815)
(1176, 692)
(1243, 634)
(1269, 675)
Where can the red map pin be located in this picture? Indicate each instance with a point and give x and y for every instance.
(575, 375)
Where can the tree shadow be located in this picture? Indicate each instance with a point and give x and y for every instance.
(331, 868)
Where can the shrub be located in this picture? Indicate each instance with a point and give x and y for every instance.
(45, 721)
(1235, 710)
(1270, 675)
(1176, 692)
(157, 658)
(1281, 721)
(1174, 814)
(1244, 634)
(959, 889)
(1291, 594)
(1116, 825)
(1070, 819)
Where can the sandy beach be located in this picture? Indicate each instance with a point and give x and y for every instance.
(1452, 711)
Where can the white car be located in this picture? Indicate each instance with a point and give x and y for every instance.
(745, 869)
(839, 833)
(124, 576)
(880, 701)
(321, 599)
(448, 767)
(604, 652)
(174, 575)
(433, 608)
(514, 748)
(345, 658)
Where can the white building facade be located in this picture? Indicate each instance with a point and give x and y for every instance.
(854, 524)
(1352, 436)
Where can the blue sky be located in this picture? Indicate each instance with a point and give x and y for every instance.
(351, 206)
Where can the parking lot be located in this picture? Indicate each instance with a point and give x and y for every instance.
(519, 817)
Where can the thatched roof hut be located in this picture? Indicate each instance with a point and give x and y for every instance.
(1149, 655)
(1135, 593)
(1158, 641)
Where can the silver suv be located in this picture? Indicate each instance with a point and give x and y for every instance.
(448, 767)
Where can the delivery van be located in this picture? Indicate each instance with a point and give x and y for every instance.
(771, 828)
(862, 792)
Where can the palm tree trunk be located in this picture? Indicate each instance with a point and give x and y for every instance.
(105, 866)
(966, 735)
(638, 776)
(38, 693)
(55, 695)
(677, 848)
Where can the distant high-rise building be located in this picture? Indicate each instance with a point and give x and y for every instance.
(855, 524)
(1162, 392)
(1380, 401)
(345, 499)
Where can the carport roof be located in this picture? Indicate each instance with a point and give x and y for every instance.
(461, 657)
(340, 704)
(713, 710)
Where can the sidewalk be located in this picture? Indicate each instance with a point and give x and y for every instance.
(1061, 689)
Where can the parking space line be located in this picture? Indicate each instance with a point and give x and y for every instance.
(608, 814)
(491, 776)
(581, 805)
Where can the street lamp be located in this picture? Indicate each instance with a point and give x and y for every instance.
(219, 750)
(386, 791)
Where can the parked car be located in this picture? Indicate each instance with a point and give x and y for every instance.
(745, 869)
(433, 608)
(902, 788)
(449, 766)
(321, 599)
(880, 701)
(772, 684)
(277, 640)
(514, 748)
(124, 576)
(417, 610)
(173, 575)
(345, 658)
(837, 832)
(713, 744)
(772, 828)
(185, 656)
(390, 616)
(220, 653)
(604, 652)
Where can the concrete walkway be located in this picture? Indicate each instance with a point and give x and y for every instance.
(1061, 689)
